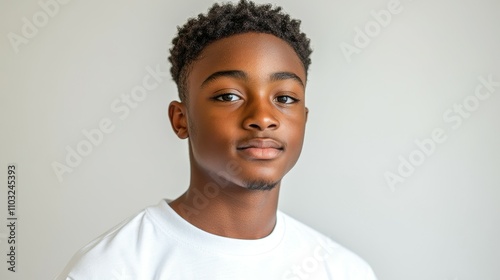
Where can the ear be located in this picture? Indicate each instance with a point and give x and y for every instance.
(307, 113)
(178, 119)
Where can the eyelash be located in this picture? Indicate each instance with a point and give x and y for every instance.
(293, 100)
(221, 98)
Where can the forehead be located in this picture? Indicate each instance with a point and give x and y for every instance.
(257, 54)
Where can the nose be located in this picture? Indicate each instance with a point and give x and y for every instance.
(260, 115)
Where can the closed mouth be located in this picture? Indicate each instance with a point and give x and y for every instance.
(260, 143)
(260, 149)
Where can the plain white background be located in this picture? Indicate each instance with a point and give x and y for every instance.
(366, 110)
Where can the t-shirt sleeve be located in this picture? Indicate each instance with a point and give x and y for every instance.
(98, 259)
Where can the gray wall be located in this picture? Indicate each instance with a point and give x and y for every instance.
(414, 78)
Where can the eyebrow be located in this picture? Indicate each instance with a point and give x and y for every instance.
(229, 73)
(280, 76)
(238, 74)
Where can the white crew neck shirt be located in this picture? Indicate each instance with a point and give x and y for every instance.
(157, 243)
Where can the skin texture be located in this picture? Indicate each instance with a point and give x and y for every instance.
(245, 119)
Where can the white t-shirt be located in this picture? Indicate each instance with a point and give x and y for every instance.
(159, 244)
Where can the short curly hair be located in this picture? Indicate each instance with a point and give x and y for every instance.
(228, 19)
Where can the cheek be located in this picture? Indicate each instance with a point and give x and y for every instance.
(296, 126)
(212, 129)
(295, 135)
(210, 138)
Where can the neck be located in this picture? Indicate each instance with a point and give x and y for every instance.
(220, 207)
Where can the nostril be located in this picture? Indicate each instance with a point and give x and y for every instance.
(254, 126)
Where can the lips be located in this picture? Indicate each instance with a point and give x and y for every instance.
(260, 148)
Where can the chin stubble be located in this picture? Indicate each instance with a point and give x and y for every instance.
(260, 185)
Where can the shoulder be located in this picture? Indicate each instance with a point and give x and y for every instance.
(322, 250)
(118, 243)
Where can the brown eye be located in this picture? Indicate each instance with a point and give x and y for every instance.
(285, 99)
(227, 97)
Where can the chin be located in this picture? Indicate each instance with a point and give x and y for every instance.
(260, 185)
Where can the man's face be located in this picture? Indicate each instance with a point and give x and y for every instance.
(246, 106)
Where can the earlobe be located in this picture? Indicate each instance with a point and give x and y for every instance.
(178, 119)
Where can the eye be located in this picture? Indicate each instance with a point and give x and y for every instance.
(285, 99)
(227, 97)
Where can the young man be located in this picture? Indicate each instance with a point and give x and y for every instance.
(241, 72)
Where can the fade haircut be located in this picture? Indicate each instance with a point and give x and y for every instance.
(224, 20)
